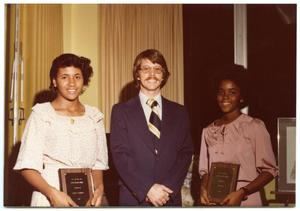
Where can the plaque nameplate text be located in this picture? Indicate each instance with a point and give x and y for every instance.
(77, 183)
(222, 180)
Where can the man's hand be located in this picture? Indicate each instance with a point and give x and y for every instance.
(158, 194)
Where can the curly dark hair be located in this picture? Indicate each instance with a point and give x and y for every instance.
(69, 60)
(239, 75)
(155, 57)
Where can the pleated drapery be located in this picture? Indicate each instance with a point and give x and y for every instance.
(41, 41)
(125, 31)
(42, 38)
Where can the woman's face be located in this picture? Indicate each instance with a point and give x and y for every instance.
(229, 97)
(69, 83)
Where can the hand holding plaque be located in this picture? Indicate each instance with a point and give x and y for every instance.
(222, 180)
(77, 183)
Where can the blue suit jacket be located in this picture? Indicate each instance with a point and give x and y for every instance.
(133, 151)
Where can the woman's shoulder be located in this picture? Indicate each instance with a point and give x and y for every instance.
(251, 123)
(212, 127)
(93, 112)
(42, 108)
(43, 111)
(250, 120)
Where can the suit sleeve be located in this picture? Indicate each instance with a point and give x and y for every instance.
(183, 160)
(119, 145)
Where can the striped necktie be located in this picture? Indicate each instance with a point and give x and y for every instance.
(154, 120)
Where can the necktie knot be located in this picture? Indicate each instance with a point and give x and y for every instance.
(152, 103)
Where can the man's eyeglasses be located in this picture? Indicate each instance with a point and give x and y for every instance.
(147, 69)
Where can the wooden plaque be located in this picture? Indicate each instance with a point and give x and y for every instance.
(222, 180)
(77, 183)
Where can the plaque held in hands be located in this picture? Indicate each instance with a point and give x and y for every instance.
(77, 183)
(222, 180)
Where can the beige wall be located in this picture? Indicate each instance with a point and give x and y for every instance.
(80, 36)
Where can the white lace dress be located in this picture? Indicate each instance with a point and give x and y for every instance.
(51, 141)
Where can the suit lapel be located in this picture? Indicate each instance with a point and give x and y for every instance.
(140, 123)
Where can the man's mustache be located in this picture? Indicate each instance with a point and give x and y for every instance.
(152, 77)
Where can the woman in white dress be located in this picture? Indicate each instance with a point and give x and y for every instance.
(63, 133)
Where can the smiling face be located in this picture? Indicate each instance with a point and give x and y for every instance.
(68, 83)
(150, 77)
(229, 97)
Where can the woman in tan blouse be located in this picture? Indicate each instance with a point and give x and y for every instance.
(239, 139)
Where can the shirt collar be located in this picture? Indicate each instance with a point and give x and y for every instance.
(144, 98)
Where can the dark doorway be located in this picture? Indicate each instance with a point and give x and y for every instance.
(272, 62)
(208, 42)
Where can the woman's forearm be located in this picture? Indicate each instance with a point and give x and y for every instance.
(34, 178)
(204, 182)
(98, 180)
(258, 183)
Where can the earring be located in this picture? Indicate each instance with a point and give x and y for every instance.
(83, 90)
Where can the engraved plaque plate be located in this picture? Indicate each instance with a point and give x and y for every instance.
(77, 183)
(222, 180)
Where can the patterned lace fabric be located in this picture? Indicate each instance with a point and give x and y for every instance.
(51, 141)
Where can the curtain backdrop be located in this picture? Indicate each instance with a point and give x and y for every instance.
(41, 40)
(125, 31)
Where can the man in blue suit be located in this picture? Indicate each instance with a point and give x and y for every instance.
(150, 139)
